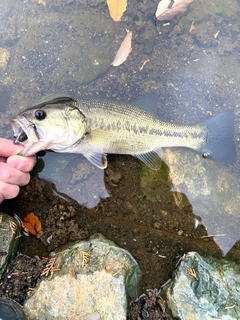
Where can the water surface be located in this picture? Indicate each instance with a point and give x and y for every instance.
(67, 48)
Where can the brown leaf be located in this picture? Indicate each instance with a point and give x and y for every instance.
(168, 9)
(124, 50)
(117, 8)
(32, 224)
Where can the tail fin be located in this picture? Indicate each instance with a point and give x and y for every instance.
(219, 143)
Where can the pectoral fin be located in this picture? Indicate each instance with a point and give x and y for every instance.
(151, 159)
(98, 159)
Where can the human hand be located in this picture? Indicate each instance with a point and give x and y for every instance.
(14, 169)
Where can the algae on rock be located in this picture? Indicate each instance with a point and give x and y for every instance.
(204, 288)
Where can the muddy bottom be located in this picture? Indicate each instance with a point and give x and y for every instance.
(21, 276)
(154, 232)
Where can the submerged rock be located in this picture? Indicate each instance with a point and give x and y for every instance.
(92, 279)
(9, 230)
(210, 187)
(204, 289)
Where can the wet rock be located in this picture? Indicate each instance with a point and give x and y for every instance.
(9, 230)
(88, 277)
(204, 289)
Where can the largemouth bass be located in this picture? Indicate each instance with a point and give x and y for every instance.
(95, 128)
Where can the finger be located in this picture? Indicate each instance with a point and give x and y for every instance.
(8, 148)
(13, 176)
(24, 164)
(2, 159)
(8, 191)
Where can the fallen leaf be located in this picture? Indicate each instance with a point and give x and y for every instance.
(31, 224)
(117, 8)
(124, 50)
(168, 9)
(216, 34)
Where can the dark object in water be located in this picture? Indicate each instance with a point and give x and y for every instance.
(11, 310)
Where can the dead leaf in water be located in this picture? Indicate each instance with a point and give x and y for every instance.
(117, 8)
(168, 9)
(124, 50)
(31, 224)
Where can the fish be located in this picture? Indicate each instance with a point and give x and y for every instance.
(95, 128)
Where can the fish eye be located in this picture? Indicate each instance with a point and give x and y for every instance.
(205, 155)
(40, 114)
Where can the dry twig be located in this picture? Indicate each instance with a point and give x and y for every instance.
(192, 27)
(230, 307)
(214, 235)
(19, 236)
(49, 267)
(85, 258)
(13, 226)
(143, 64)
(192, 272)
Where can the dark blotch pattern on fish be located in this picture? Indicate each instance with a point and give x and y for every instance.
(185, 135)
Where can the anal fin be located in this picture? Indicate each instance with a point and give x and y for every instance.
(151, 159)
(97, 159)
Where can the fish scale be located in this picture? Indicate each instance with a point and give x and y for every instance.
(128, 128)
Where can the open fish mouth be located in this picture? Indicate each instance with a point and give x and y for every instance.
(25, 133)
(20, 136)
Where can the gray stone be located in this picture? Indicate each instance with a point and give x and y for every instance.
(95, 280)
(204, 289)
(9, 230)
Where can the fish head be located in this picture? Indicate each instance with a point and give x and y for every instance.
(55, 125)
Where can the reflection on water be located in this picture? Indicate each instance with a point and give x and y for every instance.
(213, 191)
(62, 46)
(75, 176)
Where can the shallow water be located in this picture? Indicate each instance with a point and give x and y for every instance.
(67, 48)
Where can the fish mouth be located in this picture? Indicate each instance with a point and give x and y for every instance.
(26, 134)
